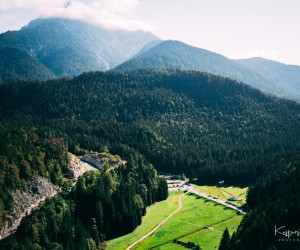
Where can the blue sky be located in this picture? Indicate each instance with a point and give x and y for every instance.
(234, 28)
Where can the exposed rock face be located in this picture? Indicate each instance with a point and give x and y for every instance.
(76, 166)
(94, 159)
(99, 160)
(38, 190)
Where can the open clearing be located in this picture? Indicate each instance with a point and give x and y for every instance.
(155, 214)
(223, 193)
(195, 215)
(199, 221)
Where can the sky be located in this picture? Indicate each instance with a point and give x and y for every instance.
(233, 28)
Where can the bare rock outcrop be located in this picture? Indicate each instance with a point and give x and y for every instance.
(76, 167)
(23, 202)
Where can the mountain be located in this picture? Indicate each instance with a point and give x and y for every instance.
(16, 64)
(203, 125)
(69, 47)
(287, 76)
(177, 55)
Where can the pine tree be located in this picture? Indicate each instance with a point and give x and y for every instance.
(225, 241)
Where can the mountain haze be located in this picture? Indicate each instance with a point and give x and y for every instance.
(69, 47)
(178, 55)
(287, 76)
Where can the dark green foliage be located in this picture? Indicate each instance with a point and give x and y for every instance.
(101, 206)
(25, 155)
(205, 126)
(225, 241)
(16, 64)
(178, 55)
(273, 201)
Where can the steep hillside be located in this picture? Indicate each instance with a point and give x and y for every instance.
(102, 205)
(274, 203)
(70, 47)
(177, 55)
(16, 64)
(287, 76)
(203, 125)
(27, 163)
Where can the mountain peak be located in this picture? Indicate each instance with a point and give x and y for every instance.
(68, 47)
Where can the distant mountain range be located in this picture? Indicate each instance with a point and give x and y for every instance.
(63, 47)
(55, 47)
(268, 76)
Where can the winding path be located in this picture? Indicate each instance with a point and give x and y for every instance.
(160, 224)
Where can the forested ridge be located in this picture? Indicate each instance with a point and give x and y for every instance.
(16, 65)
(274, 205)
(102, 205)
(25, 155)
(182, 121)
(188, 122)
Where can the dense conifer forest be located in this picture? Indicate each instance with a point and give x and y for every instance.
(102, 205)
(188, 122)
(274, 205)
(24, 155)
(202, 125)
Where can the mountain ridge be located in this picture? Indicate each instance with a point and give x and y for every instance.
(177, 55)
(70, 47)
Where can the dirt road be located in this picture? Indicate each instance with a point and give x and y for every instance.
(160, 224)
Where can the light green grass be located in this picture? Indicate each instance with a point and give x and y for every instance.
(212, 190)
(170, 246)
(155, 214)
(239, 193)
(210, 239)
(223, 193)
(195, 214)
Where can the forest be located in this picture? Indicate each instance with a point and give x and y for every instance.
(204, 126)
(24, 155)
(102, 205)
(273, 210)
(189, 122)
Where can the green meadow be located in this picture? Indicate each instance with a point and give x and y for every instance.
(200, 221)
(225, 192)
(155, 214)
(195, 215)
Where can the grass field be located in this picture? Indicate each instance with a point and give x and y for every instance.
(155, 214)
(188, 224)
(224, 193)
(208, 238)
(194, 216)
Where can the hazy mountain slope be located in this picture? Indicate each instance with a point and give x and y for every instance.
(147, 47)
(287, 76)
(177, 55)
(18, 65)
(70, 47)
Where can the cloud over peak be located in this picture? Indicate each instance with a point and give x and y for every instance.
(110, 14)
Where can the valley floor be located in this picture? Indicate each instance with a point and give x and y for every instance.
(197, 220)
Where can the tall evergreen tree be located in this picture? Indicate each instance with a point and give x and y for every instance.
(225, 241)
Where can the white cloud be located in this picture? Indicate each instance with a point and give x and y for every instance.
(111, 14)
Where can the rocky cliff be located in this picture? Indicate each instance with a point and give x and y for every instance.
(37, 191)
